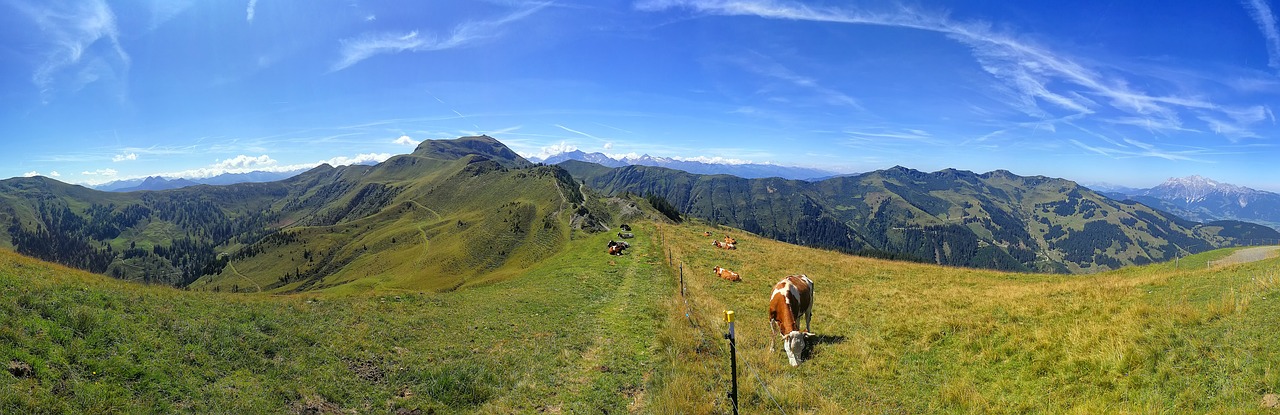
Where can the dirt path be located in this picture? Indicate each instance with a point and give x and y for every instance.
(233, 270)
(1246, 255)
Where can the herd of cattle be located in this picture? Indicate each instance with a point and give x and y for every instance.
(791, 299)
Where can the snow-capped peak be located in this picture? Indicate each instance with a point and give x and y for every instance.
(1193, 189)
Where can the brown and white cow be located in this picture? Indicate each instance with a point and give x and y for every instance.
(616, 248)
(727, 274)
(791, 298)
(707, 233)
(730, 240)
(719, 244)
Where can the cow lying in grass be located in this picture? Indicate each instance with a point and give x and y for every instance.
(727, 274)
(719, 244)
(791, 298)
(730, 240)
(616, 248)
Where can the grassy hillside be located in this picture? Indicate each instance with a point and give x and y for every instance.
(909, 338)
(571, 335)
(995, 220)
(453, 212)
(467, 222)
(584, 332)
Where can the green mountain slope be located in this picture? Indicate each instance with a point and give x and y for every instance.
(994, 220)
(585, 332)
(82, 343)
(451, 212)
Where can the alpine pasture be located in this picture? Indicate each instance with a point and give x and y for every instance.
(586, 332)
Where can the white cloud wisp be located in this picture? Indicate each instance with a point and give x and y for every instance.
(368, 45)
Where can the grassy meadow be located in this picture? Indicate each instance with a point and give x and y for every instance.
(584, 332)
(572, 335)
(896, 337)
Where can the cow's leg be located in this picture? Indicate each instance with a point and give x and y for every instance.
(808, 312)
(773, 335)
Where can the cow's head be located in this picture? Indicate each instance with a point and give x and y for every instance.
(716, 270)
(793, 344)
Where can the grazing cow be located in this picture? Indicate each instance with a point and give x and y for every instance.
(719, 244)
(727, 274)
(729, 240)
(791, 298)
(626, 227)
(707, 233)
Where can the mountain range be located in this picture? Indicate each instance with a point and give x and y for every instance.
(747, 170)
(451, 212)
(166, 183)
(952, 217)
(470, 211)
(1202, 199)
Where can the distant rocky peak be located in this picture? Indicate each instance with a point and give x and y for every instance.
(1195, 188)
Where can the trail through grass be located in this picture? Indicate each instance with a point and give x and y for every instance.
(572, 335)
(585, 332)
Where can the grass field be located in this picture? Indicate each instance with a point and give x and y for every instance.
(572, 335)
(908, 338)
(584, 332)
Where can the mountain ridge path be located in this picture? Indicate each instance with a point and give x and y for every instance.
(1247, 255)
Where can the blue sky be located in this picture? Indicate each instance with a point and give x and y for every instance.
(1128, 93)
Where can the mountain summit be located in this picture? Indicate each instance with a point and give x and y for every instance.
(1203, 199)
(481, 145)
(1194, 189)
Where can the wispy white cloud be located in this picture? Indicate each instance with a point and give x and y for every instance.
(124, 157)
(762, 65)
(1043, 83)
(368, 45)
(164, 10)
(1138, 149)
(908, 134)
(406, 141)
(577, 132)
(55, 174)
(31, 174)
(1261, 13)
(614, 128)
(249, 11)
(1232, 130)
(82, 44)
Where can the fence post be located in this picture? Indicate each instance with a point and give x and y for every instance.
(681, 280)
(733, 359)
